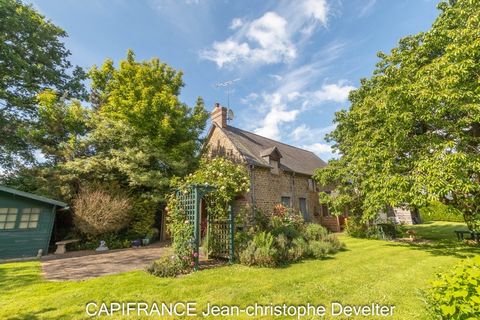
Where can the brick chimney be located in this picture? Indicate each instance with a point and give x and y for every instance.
(219, 115)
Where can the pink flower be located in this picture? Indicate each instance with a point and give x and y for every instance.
(195, 254)
(192, 264)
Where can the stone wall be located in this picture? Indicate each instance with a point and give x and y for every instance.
(267, 190)
(267, 186)
(219, 145)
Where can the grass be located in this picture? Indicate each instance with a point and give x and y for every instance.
(368, 271)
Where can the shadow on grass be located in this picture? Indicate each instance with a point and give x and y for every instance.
(31, 315)
(440, 240)
(18, 276)
(438, 230)
(452, 248)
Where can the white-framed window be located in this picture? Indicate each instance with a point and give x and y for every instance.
(29, 218)
(8, 217)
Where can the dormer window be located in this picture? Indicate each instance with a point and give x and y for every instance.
(272, 156)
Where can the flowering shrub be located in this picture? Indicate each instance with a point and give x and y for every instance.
(283, 239)
(228, 180)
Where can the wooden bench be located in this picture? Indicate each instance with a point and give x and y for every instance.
(473, 235)
(62, 245)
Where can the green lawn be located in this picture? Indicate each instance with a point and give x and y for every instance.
(368, 271)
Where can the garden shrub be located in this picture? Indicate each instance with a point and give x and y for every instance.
(112, 241)
(279, 227)
(143, 218)
(314, 232)
(319, 249)
(288, 239)
(355, 228)
(387, 230)
(456, 294)
(298, 249)
(169, 267)
(260, 251)
(336, 244)
(282, 244)
(98, 212)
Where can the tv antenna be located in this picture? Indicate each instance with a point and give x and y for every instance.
(228, 85)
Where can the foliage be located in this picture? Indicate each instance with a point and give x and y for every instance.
(143, 218)
(456, 294)
(315, 232)
(356, 228)
(33, 59)
(228, 178)
(181, 230)
(412, 133)
(437, 211)
(59, 128)
(97, 212)
(299, 249)
(260, 251)
(141, 134)
(319, 249)
(285, 238)
(113, 240)
(168, 267)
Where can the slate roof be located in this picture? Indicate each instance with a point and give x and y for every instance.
(252, 146)
(32, 196)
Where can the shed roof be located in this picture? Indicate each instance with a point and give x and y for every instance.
(253, 146)
(32, 196)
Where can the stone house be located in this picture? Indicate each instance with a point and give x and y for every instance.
(279, 173)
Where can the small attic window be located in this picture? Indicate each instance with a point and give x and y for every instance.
(272, 156)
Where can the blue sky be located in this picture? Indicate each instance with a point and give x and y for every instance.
(296, 61)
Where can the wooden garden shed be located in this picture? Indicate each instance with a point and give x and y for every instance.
(26, 222)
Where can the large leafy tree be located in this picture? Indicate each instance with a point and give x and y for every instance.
(32, 59)
(412, 134)
(141, 133)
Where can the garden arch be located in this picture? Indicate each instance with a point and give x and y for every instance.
(220, 232)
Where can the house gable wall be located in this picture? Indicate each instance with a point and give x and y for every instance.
(267, 186)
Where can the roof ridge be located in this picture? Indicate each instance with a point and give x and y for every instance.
(286, 144)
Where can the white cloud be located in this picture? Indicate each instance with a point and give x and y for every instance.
(278, 114)
(309, 135)
(236, 23)
(265, 41)
(272, 38)
(337, 92)
(319, 149)
(317, 9)
(227, 51)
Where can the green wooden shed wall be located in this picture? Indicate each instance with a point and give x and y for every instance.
(26, 222)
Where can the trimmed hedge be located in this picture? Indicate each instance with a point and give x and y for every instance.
(439, 212)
